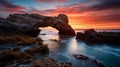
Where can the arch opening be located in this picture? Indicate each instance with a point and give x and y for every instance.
(48, 30)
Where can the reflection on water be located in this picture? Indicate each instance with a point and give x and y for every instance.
(63, 49)
(73, 47)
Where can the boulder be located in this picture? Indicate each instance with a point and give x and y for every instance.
(80, 56)
(83, 57)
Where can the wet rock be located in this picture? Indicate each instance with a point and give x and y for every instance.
(91, 36)
(68, 64)
(80, 56)
(83, 57)
(99, 64)
(4, 49)
(15, 54)
(39, 40)
(18, 39)
(43, 34)
(16, 48)
(10, 55)
(55, 40)
(44, 62)
(38, 49)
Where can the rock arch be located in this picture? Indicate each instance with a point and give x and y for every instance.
(31, 22)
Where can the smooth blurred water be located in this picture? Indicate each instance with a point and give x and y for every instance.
(62, 49)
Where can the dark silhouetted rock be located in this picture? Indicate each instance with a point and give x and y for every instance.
(29, 24)
(99, 64)
(91, 36)
(90, 31)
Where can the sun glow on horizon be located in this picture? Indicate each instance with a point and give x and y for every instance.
(83, 23)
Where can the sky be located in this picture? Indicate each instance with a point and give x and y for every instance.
(83, 14)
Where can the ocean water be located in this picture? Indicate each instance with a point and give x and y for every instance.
(62, 49)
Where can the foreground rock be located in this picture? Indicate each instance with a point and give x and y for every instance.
(91, 36)
(18, 39)
(10, 55)
(29, 24)
(83, 57)
(16, 58)
(48, 62)
(38, 49)
(44, 62)
(17, 55)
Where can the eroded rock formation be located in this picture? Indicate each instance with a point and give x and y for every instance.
(30, 23)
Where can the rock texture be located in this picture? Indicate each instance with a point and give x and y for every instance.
(83, 57)
(80, 56)
(48, 62)
(30, 23)
(15, 54)
(91, 36)
(44, 62)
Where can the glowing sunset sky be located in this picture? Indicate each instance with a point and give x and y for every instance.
(83, 14)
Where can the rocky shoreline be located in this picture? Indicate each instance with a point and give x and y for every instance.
(15, 54)
(91, 36)
(20, 30)
(14, 57)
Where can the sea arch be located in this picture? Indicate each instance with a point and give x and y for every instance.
(32, 22)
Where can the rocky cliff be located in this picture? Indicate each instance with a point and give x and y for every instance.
(30, 23)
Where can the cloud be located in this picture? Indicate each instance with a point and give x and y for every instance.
(101, 12)
(49, 1)
(93, 10)
(113, 17)
(106, 4)
(89, 6)
(6, 6)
